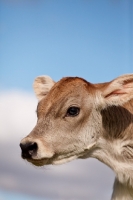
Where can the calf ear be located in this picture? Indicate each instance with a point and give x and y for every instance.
(118, 91)
(42, 86)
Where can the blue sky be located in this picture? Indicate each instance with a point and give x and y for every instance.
(90, 39)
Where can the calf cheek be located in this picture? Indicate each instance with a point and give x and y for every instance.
(64, 140)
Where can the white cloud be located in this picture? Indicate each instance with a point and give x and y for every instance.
(88, 179)
(17, 113)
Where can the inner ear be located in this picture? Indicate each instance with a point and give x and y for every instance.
(42, 85)
(118, 91)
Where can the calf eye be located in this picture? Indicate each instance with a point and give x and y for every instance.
(72, 111)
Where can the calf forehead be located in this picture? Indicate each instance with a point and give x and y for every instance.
(68, 85)
(66, 88)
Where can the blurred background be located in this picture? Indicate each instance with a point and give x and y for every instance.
(87, 38)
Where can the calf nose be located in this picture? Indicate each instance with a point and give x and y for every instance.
(28, 149)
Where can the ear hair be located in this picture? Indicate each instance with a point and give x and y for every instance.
(117, 92)
(42, 86)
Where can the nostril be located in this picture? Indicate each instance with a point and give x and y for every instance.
(32, 148)
(28, 149)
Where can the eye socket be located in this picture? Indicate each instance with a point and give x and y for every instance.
(72, 111)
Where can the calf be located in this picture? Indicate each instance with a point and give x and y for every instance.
(78, 119)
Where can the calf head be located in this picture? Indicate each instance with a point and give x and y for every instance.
(69, 124)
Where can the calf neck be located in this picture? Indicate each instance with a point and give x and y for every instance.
(78, 119)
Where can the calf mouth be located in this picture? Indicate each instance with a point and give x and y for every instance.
(55, 160)
(40, 162)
